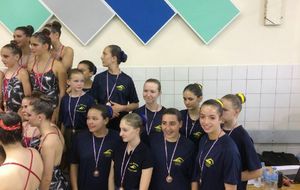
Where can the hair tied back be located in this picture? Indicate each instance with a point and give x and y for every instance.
(219, 102)
(242, 97)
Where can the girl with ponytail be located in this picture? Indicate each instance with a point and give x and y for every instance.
(251, 166)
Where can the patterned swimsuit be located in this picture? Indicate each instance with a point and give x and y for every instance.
(46, 82)
(13, 92)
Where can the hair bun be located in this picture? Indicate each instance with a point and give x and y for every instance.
(30, 29)
(123, 56)
(241, 97)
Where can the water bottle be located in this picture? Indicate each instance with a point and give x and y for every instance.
(274, 179)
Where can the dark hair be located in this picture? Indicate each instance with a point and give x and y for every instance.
(34, 96)
(42, 105)
(27, 30)
(10, 120)
(91, 65)
(43, 37)
(14, 48)
(118, 52)
(74, 71)
(134, 120)
(236, 99)
(156, 82)
(215, 103)
(173, 111)
(195, 88)
(55, 27)
(106, 111)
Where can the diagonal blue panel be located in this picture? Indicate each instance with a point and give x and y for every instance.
(14, 13)
(144, 17)
(207, 18)
(83, 18)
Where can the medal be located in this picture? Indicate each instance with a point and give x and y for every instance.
(169, 179)
(124, 167)
(96, 156)
(72, 118)
(96, 173)
(108, 104)
(203, 161)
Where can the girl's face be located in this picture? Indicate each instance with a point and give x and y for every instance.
(229, 113)
(107, 57)
(170, 126)
(210, 119)
(95, 121)
(127, 132)
(34, 119)
(150, 92)
(85, 70)
(24, 108)
(21, 38)
(37, 48)
(76, 82)
(191, 101)
(8, 58)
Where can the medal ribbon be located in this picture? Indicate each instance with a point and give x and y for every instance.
(169, 166)
(113, 88)
(97, 155)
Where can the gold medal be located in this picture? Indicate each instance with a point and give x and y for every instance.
(169, 179)
(96, 173)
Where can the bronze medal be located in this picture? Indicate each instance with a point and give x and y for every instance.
(96, 173)
(169, 179)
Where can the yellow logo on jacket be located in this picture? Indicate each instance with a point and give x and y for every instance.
(209, 162)
(197, 135)
(108, 153)
(178, 161)
(157, 128)
(133, 167)
(81, 108)
(120, 87)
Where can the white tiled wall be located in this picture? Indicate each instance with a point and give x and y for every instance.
(272, 91)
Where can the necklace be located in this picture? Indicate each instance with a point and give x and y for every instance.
(188, 133)
(123, 169)
(72, 118)
(148, 128)
(199, 161)
(97, 155)
(169, 178)
(112, 89)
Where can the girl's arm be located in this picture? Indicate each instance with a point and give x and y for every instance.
(145, 178)
(24, 78)
(48, 156)
(111, 181)
(61, 75)
(230, 187)
(67, 59)
(247, 175)
(74, 176)
(194, 185)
